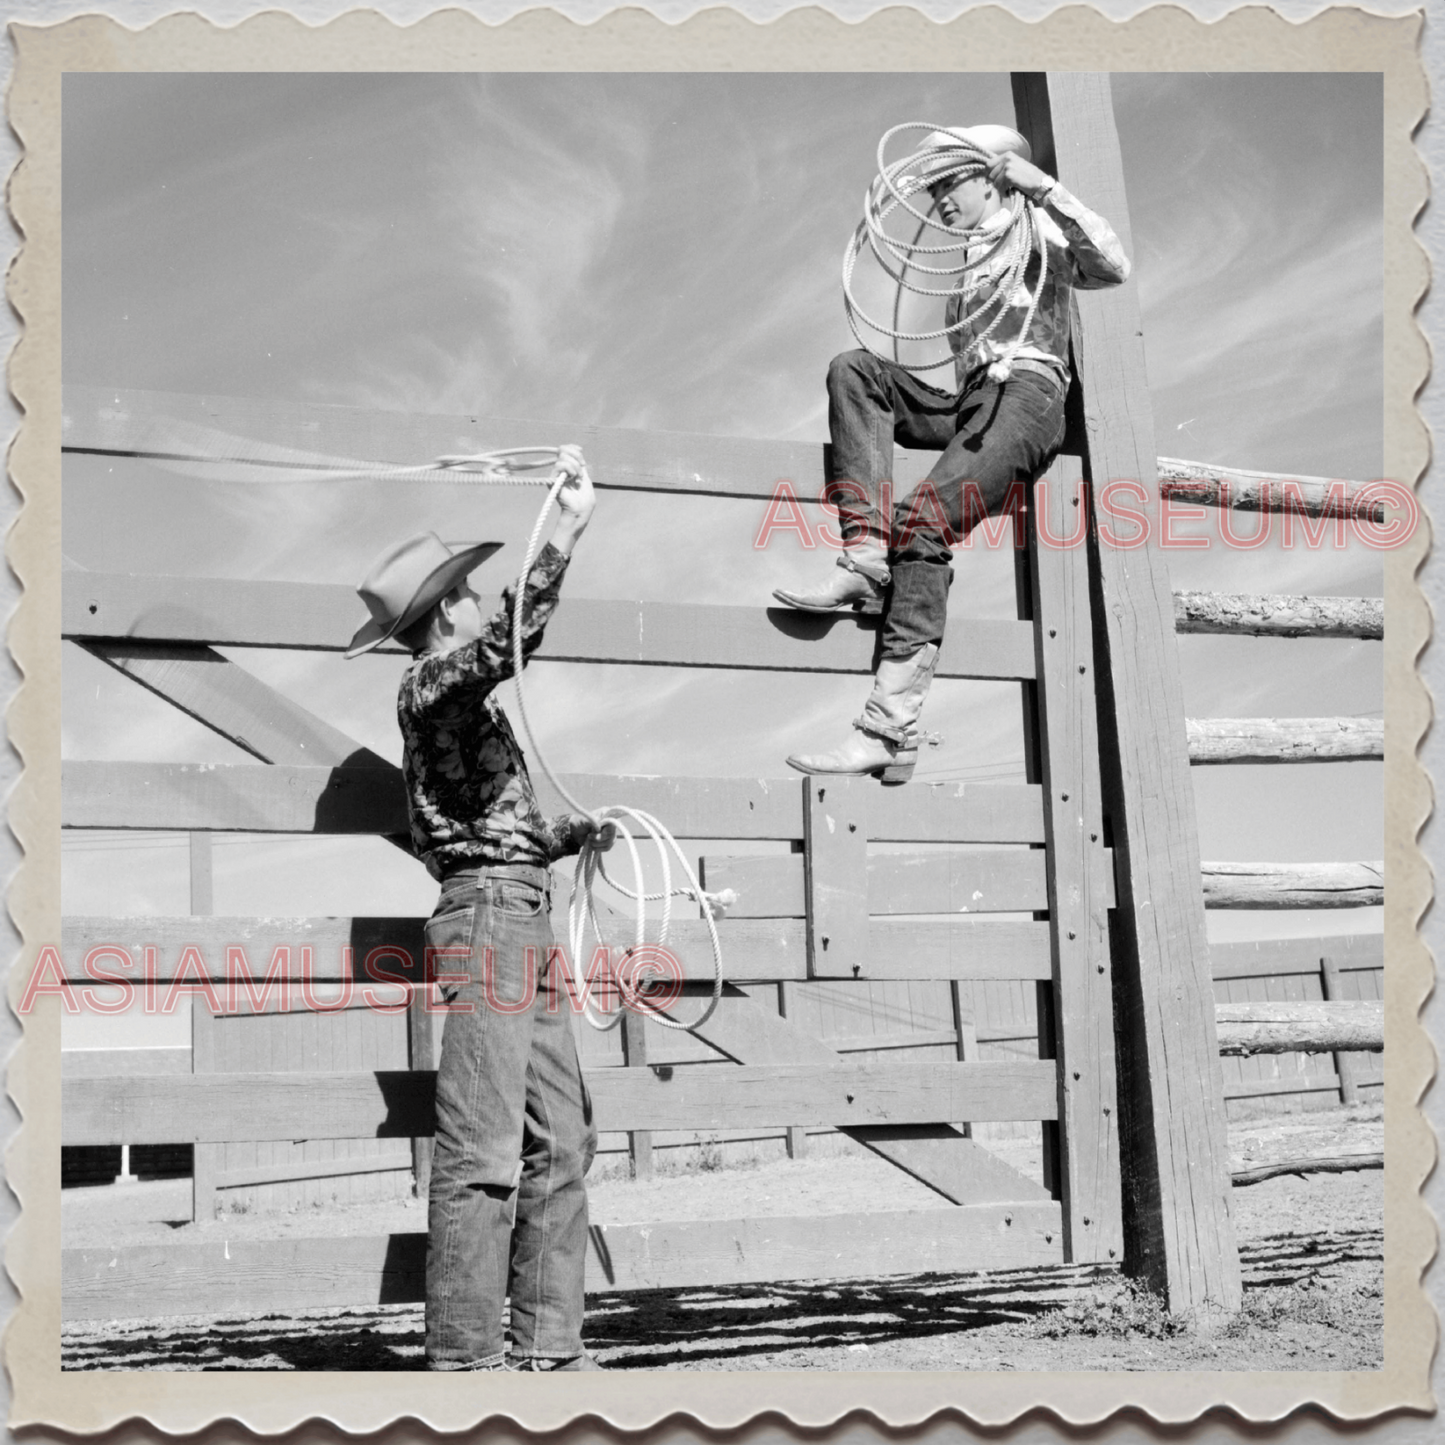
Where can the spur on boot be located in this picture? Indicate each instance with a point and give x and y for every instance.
(885, 739)
(851, 585)
(864, 752)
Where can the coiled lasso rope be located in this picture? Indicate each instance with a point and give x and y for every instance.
(219, 456)
(581, 906)
(1018, 238)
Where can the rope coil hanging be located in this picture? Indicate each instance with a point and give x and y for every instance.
(965, 252)
(581, 906)
(218, 456)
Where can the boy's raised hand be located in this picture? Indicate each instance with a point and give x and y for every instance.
(577, 499)
(1012, 170)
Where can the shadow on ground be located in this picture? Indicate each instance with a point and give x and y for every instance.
(710, 1327)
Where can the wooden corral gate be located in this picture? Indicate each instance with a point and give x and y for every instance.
(1098, 846)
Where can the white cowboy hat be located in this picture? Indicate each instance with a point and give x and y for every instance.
(942, 149)
(407, 580)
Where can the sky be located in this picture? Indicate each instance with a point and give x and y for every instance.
(663, 252)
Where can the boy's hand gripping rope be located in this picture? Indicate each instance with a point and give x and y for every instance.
(891, 188)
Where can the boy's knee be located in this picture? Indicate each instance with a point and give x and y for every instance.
(915, 541)
(849, 369)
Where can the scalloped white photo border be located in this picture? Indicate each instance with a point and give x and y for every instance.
(1160, 39)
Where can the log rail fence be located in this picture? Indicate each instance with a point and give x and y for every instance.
(1080, 886)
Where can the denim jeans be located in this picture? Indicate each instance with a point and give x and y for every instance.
(990, 435)
(507, 1213)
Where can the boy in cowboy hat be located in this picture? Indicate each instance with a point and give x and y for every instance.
(1002, 423)
(507, 1213)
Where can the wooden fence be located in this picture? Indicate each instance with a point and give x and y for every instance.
(1084, 888)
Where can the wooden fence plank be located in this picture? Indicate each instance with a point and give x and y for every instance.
(942, 949)
(334, 1167)
(223, 612)
(938, 1155)
(634, 1056)
(421, 1049)
(284, 799)
(247, 1276)
(955, 813)
(1080, 881)
(130, 421)
(1179, 1235)
(90, 1063)
(1257, 958)
(761, 949)
(1293, 885)
(1282, 1028)
(979, 881)
(997, 881)
(691, 807)
(232, 798)
(1251, 614)
(392, 1104)
(1332, 990)
(1265, 492)
(795, 1140)
(231, 701)
(206, 1159)
(835, 843)
(757, 949)
(1285, 739)
(1298, 1084)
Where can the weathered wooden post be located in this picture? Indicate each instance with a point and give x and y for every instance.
(1178, 1233)
(634, 1056)
(1078, 999)
(205, 1158)
(1332, 991)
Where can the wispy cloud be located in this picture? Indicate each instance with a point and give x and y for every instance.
(660, 252)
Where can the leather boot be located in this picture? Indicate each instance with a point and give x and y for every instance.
(858, 582)
(900, 687)
(885, 739)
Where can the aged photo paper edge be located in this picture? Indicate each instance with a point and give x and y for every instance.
(1163, 38)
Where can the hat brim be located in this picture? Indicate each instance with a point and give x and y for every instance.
(434, 586)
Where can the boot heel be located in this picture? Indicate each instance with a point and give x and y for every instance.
(869, 607)
(900, 770)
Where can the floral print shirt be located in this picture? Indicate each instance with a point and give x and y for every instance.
(468, 792)
(1083, 253)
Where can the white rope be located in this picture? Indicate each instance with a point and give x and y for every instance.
(220, 456)
(1018, 238)
(581, 906)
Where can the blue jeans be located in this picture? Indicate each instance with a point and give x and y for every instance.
(990, 435)
(507, 1213)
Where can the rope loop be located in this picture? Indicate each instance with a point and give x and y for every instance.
(963, 252)
(582, 907)
(219, 456)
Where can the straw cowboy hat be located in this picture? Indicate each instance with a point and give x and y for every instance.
(407, 581)
(947, 145)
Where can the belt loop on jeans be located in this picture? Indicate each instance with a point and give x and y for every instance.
(478, 873)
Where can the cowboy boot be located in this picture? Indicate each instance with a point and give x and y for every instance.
(859, 583)
(885, 739)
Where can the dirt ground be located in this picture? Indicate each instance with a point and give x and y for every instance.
(1311, 1245)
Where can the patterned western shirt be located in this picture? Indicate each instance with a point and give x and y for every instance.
(467, 789)
(1083, 252)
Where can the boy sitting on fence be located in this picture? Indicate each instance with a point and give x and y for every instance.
(1008, 328)
(507, 1213)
